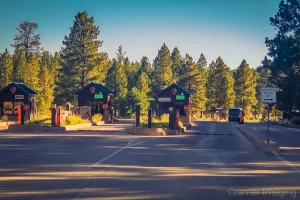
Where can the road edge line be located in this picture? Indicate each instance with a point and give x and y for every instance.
(251, 139)
(285, 161)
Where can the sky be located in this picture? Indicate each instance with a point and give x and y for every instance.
(232, 29)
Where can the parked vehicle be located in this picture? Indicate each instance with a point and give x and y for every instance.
(236, 114)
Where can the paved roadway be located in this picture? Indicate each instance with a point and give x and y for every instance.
(288, 139)
(211, 161)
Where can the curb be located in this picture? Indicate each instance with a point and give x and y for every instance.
(259, 144)
(77, 126)
(98, 123)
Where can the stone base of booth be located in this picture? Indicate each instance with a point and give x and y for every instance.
(29, 128)
(174, 132)
(7, 123)
(35, 128)
(146, 131)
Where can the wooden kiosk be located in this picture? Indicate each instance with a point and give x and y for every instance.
(174, 96)
(14, 95)
(99, 98)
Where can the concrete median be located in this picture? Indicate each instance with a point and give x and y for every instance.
(146, 131)
(259, 143)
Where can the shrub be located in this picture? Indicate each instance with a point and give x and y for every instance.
(97, 118)
(164, 118)
(180, 124)
(4, 118)
(75, 119)
(144, 119)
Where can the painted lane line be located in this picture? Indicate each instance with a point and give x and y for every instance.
(130, 144)
(285, 161)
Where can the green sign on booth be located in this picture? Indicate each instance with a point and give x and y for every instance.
(180, 97)
(98, 96)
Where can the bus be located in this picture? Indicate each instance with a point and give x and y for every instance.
(235, 113)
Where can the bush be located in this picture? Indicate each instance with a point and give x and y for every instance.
(97, 118)
(295, 120)
(75, 119)
(4, 118)
(164, 118)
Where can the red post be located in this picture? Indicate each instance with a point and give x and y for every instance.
(19, 114)
(177, 119)
(57, 116)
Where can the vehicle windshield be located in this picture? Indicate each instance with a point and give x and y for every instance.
(234, 110)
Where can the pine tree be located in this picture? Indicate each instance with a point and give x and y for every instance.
(284, 49)
(211, 85)
(198, 90)
(224, 93)
(245, 87)
(162, 69)
(143, 83)
(46, 82)
(138, 96)
(263, 75)
(19, 65)
(31, 74)
(116, 80)
(202, 63)
(121, 55)
(27, 38)
(176, 64)
(186, 72)
(199, 100)
(80, 57)
(6, 69)
(101, 67)
(131, 69)
(145, 66)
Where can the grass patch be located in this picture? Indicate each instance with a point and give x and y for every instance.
(158, 122)
(41, 119)
(75, 119)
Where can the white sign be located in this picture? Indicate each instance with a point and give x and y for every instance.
(19, 96)
(268, 95)
(164, 99)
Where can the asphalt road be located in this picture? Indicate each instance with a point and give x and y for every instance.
(285, 137)
(211, 161)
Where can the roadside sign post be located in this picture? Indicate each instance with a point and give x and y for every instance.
(268, 137)
(268, 96)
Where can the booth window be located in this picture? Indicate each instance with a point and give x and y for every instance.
(16, 105)
(8, 106)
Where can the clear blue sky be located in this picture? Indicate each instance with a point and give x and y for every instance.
(232, 29)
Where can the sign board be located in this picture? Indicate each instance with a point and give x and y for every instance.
(164, 99)
(19, 96)
(26, 107)
(105, 106)
(180, 97)
(98, 96)
(268, 95)
(186, 108)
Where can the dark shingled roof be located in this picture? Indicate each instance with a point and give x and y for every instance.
(21, 86)
(173, 85)
(99, 86)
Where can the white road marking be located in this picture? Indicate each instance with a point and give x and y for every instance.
(130, 144)
(285, 161)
